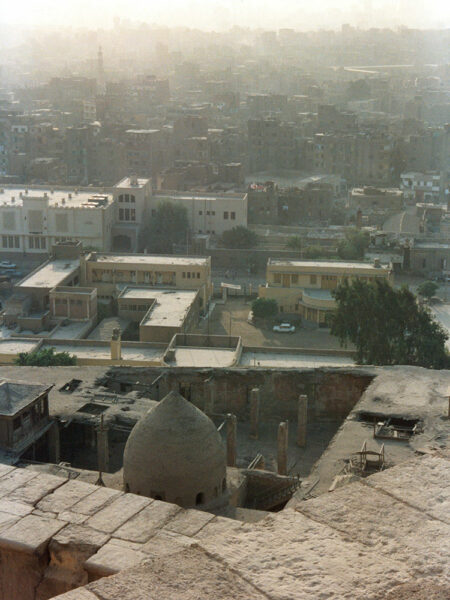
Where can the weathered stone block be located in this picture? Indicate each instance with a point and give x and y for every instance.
(118, 512)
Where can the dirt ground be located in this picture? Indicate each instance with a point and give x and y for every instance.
(231, 319)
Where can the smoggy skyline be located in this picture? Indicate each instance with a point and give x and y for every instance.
(220, 15)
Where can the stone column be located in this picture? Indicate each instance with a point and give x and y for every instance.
(102, 448)
(116, 343)
(302, 420)
(231, 440)
(210, 396)
(54, 444)
(283, 431)
(254, 413)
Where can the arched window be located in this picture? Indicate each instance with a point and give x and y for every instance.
(199, 499)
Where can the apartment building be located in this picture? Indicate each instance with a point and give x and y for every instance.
(371, 198)
(108, 273)
(419, 187)
(207, 213)
(32, 219)
(304, 286)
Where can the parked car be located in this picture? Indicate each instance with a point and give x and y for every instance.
(6, 264)
(284, 328)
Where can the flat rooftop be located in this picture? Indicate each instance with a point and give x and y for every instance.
(324, 264)
(58, 198)
(51, 274)
(137, 353)
(170, 309)
(127, 182)
(149, 259)
(13, 345)
(200, 197)
(16, 395)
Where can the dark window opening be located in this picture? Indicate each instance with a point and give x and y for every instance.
(199, 499)
(224, 484)
(70, 386)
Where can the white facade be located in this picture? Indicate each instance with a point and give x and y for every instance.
(208, 213)
(421, 186)
(31, 220)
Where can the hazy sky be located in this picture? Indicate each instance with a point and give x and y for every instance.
(222, 14)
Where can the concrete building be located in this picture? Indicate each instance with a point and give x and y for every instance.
(370, 198)
(304, 287)
(207, 213)
(33, 219)
(108, 272)
(160, 313)
(429, 259)
(132, 202)
(420, 187)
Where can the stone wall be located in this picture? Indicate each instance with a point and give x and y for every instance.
(332, 393)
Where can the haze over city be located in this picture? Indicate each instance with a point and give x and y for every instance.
(225, 300)
(220, 15)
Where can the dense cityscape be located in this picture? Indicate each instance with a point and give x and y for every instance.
(225, 308)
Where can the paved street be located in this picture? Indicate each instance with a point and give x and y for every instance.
(442, 314)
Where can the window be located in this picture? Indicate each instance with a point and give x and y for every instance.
(127, 214)
(198, 275)
(225, 215)
(200, 498)
(294, 278)
(213, 213)
(188, 275)
(207, 212)
(277, 277)
(313, 279)
(200, 212)
(184, 275)
(233, 216)
(10, 241)
(37, 243)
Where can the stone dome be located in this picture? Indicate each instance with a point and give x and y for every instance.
(175, 453)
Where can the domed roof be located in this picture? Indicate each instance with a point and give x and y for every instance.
(175, 453)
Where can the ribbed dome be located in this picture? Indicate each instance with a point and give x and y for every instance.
(175, 453)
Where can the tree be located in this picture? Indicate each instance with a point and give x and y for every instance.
(264, 308)
(167, 227)
(315, 252)
(239, 237)
(295, 242)
(427, 289)
(387, 326)
(47, 357)
(354, 245)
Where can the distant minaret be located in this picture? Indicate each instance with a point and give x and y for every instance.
(101, 87)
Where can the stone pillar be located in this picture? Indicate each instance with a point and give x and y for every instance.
(210, 396)
(224, 294)
(102, 448)
(231, 440)
(116, 343)
(254, 413)
(302, 420)
(54, 444)
(283, 431)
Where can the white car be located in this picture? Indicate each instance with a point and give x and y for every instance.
(6, 264)
(284, 328)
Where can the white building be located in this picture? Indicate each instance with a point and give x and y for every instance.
(207, 213)
(419, 187)
(33, 219)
